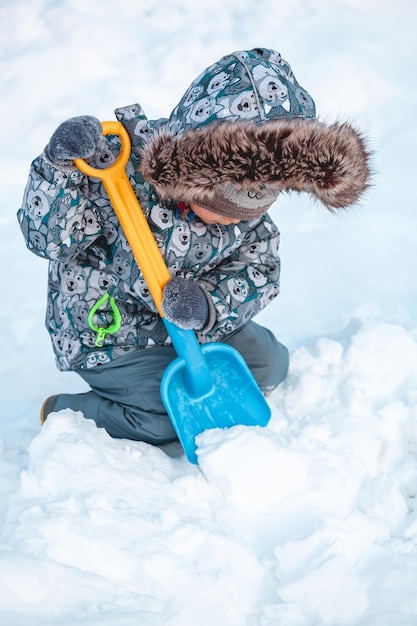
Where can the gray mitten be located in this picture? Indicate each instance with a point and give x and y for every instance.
(75, 138)
(185, 304)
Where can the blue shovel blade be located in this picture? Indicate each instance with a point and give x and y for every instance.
(232, 396)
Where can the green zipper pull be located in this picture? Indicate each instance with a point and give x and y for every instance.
(102, 331)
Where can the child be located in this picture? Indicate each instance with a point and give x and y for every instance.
(243, 132)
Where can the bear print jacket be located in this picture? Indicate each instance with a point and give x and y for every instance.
(99, 307)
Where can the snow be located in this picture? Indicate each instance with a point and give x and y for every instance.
(310, 521)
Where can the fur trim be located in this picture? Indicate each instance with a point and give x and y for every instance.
(331, 162)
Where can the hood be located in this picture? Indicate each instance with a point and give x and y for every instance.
(245, 123)
(256, 85)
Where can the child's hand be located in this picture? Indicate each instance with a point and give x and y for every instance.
(185, 303)
(76, 138)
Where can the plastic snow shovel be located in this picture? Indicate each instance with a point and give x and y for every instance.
(207, 386)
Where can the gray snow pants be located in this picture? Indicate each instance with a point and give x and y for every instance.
(125, 399)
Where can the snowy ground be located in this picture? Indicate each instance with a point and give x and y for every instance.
(311, 521)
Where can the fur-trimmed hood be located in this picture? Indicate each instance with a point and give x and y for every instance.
(246, 122)
(328, 161)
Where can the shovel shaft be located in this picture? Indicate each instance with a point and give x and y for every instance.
(130, 215)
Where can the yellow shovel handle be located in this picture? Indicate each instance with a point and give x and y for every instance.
(130, 214)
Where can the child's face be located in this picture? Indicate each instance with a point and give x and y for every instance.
(208, 217)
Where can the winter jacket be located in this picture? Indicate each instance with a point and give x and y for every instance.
(67, 218)
(244, 120)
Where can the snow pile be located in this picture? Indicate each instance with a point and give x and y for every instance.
(308, 521)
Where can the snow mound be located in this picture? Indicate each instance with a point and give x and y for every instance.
(309, 521)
